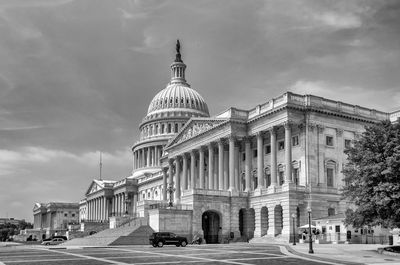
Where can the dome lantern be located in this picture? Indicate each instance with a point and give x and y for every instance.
(178, 67)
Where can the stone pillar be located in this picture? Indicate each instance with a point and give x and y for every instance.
(105, 209)
(184, 172)
(210, 166)
(148, 156)
(288, 152)
(232, 167)
(226, 169)
(237, 170)
(134, 161)
(248, 164)
(201, 167)
(177, 179)
(157, 153)
(89, 208)
(220, 165)
(192, 169)
(170, 174)
(260, 161)
(142, 162)
(274, 179)
(135, 199)
(215, 175)
(164, 197)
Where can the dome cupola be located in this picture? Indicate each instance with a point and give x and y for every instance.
(178, 96)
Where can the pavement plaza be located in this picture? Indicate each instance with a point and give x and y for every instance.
(243, 254)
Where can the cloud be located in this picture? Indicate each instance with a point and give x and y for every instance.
(36, 174)
(337, 20)
(347, 94)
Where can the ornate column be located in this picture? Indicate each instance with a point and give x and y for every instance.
(274, 179)
(89, 208)
(157, 158)
(201, 167)
(260, 161)
(192, 169)
(134, 161)
(220, 165)
(232, 163)
(148, 156)
(142, 162)
(164, 197)
(288, 152)
(237, 170)
(226, 169)
(184, 172)
(177, 179)
(105, 209)
(210, 166)
(248, 164)
(170, 174)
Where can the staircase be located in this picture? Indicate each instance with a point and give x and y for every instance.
(268, 239)
(129, 235)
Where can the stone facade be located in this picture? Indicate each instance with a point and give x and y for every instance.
(242, 173)
(54, 217)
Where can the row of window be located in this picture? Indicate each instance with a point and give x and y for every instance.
(329, 141)
(165, 128)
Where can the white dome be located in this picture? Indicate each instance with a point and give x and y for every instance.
(178, 97)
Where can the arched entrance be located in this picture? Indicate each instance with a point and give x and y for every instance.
(210, 222)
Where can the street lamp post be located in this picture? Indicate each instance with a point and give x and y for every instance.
(310, 249)
(294, 230)
(170, 190)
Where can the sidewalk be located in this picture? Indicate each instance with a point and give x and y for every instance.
(346, 253)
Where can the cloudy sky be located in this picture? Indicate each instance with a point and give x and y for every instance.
(76, 77)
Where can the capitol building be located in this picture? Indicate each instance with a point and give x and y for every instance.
(239, 174)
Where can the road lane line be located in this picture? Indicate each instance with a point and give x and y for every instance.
(190, 257)
(286, 252)
(87, 257)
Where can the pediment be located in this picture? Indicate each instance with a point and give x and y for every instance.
(94, 186)
(194, 128)
(37, 206)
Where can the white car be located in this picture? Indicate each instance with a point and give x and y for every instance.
(54, 241)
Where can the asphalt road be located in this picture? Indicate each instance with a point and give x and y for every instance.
(242, 254)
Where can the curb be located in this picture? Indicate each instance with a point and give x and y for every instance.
(316, 258)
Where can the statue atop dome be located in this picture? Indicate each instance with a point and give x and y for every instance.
(178, 52)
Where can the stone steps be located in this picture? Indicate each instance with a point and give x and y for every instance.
(279, 239)
(108, 236)
(138, 237)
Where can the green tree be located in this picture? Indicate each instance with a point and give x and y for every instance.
(372, 177)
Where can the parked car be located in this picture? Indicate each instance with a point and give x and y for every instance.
(166, 238)
(52, 237)
(54, 241)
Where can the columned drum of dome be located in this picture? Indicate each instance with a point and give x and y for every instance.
(168, 112)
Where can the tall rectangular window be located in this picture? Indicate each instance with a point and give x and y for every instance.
(296, 175)
(329, 177)
(347, 143)
(281, 145)
(281, 179)
(295, 140)
(267, 149)
(329, 140)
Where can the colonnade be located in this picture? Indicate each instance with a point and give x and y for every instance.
(147, 157)
(100, 208)
(223, 166)
(97, 209)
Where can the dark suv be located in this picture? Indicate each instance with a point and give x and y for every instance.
(166, 238)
